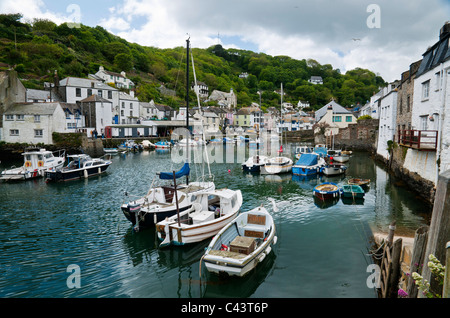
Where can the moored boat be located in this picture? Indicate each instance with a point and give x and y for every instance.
(242, 244)
(352, 191)
(326, 191)
(333, 169)
(36, 161)
(209, 213)
(254, 163)
(299, 150)
(163, 144)
(277, 165)
(78, 167)
(160, 200)
(308, 164)
(363, 183)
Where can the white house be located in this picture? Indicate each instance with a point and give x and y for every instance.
(387, 107)
(302, 104)
(128, 110)
(316, 80)
(75, 120)
(335, 116)
(73, 89)
(224, 99)
(38, 96)
(98, 113)
(33, 123)
(120, 80)
(202, 89)
(148, 110)
(430, 112)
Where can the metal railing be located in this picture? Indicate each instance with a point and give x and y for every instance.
(418, 139)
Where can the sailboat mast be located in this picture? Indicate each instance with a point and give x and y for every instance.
(188, 139)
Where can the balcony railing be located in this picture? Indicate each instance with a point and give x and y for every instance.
(418, 139)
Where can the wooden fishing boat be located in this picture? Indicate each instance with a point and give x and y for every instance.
(352, 191)
(363, 183)
(241, 245)
(209, 213)
(326, 191)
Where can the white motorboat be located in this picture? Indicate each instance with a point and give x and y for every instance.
(254, 163)
(241, 245)
(277, 165)
(209, 213)
(36, 161)
(299, 150)
(333, 169)
(78, 167)
(308, 164)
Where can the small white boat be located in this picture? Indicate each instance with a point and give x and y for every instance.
(209, 213)
(277, 165)
(299, 150)
(111, 151)
(254, 163)
(340, 158)
(185, 142)
(333, 169)
(241, 245)
(36, 161)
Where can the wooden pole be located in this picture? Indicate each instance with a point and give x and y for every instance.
(395, 275)
(176, 197)
(446, 289)
(417, 258)
(390, 237)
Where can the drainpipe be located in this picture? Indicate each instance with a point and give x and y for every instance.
(444, 73)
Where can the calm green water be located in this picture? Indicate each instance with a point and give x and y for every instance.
(321, 251)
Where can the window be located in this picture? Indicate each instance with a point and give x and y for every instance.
(38, 133)
(9, 117)
(348, 119)
(20, 117)
(89, 92)
(109, 94)
(37, 118)
(424, 122)
(408, 102)
(123, 104)
(78, 92)
(426, 90)
(131, 105)
(100, 93)
(337, 119)
(438, 80)
(14, 132)
(400, 109)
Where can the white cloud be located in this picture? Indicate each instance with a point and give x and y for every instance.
(323, 30)
(34, 9)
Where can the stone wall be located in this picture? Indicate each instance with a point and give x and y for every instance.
(360, 136)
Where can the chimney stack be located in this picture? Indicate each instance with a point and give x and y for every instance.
(445, 30)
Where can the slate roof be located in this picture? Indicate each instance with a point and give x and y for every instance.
(337, 109)
(32, 109)
(437, 53)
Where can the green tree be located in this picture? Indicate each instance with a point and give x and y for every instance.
(123, 62)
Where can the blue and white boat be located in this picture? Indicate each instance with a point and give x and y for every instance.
(299, 150)
(163, 144)
(308, 164)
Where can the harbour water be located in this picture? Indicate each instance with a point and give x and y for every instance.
(322, 251)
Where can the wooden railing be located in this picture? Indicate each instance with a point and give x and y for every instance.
(418, 139)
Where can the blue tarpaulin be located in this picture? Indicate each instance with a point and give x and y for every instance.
(307, 159)
(184, 171)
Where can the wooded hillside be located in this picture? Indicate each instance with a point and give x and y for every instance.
(39, 48)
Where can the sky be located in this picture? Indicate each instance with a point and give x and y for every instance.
(384, 36)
